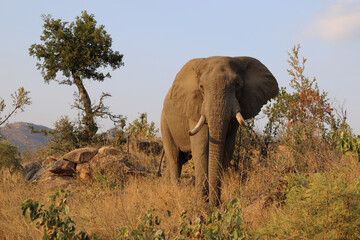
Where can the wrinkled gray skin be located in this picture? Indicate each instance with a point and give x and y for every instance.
(216, 88)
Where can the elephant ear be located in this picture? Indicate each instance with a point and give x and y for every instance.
(259, 86)
(184, 94)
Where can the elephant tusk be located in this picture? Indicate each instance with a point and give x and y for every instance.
(198, 126)
(240, 119)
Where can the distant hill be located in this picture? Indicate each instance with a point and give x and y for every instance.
(19, 134)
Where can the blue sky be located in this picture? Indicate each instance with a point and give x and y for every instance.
(158, 37)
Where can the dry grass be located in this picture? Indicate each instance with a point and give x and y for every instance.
(103, 210)
(13, 192)
(98, 208)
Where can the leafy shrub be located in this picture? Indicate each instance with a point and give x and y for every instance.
(347, 143)
(54, 227)
(220, 225)
(318, 206)
(226, 225)
(141, 129)
(304, 105)
(9, 157)
(302, 118)
(146, 229)
(63, 138)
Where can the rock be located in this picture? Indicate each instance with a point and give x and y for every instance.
(51, 180)
(107, 150)
(60, 182)
(84, 172)
(49, 160)
(41, 174)
(80, 155)
(30, 174)
(145, 146)
(30, 169)
(131, 169)
(63, 167)
(38, 175)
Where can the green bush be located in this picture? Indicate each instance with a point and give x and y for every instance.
(141, 129)
(9, 157)
(318, 206)
(225, 224)
(63, 138)
(148, 228)
(221, 225)
(347, 143)
(54, 227)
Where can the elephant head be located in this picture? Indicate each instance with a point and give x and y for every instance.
(216, 91)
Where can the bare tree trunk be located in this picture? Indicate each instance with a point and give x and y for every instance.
(88, 119)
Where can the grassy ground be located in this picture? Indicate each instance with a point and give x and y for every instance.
(103, 209)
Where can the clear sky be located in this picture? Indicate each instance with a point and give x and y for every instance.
(158, 37)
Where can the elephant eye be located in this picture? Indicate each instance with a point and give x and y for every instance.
(201, 86)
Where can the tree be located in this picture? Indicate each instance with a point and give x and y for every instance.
(305, 107)
(73, 52)
(20, 99)
(141, 129)
(9, 157)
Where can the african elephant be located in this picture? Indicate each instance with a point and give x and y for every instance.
(199, 113)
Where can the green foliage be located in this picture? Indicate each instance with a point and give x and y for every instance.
(72, 52)
(225, 225)
(347, 143)
(318, 206)
(141, 129)
(78, 49)
(20, 99)
(9, 157)
(147, 229)
(54, 227)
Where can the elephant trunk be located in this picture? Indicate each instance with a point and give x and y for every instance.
(218, 121)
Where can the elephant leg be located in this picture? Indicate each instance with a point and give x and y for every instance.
(230, 144)
(172, 154)
(199, 150)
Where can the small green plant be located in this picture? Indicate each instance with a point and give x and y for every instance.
(54, 227)
(147, 229)
(226, 225)
(347, 143)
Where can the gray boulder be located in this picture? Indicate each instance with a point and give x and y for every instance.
(31, 169)
(80, 155)
(63, 167)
